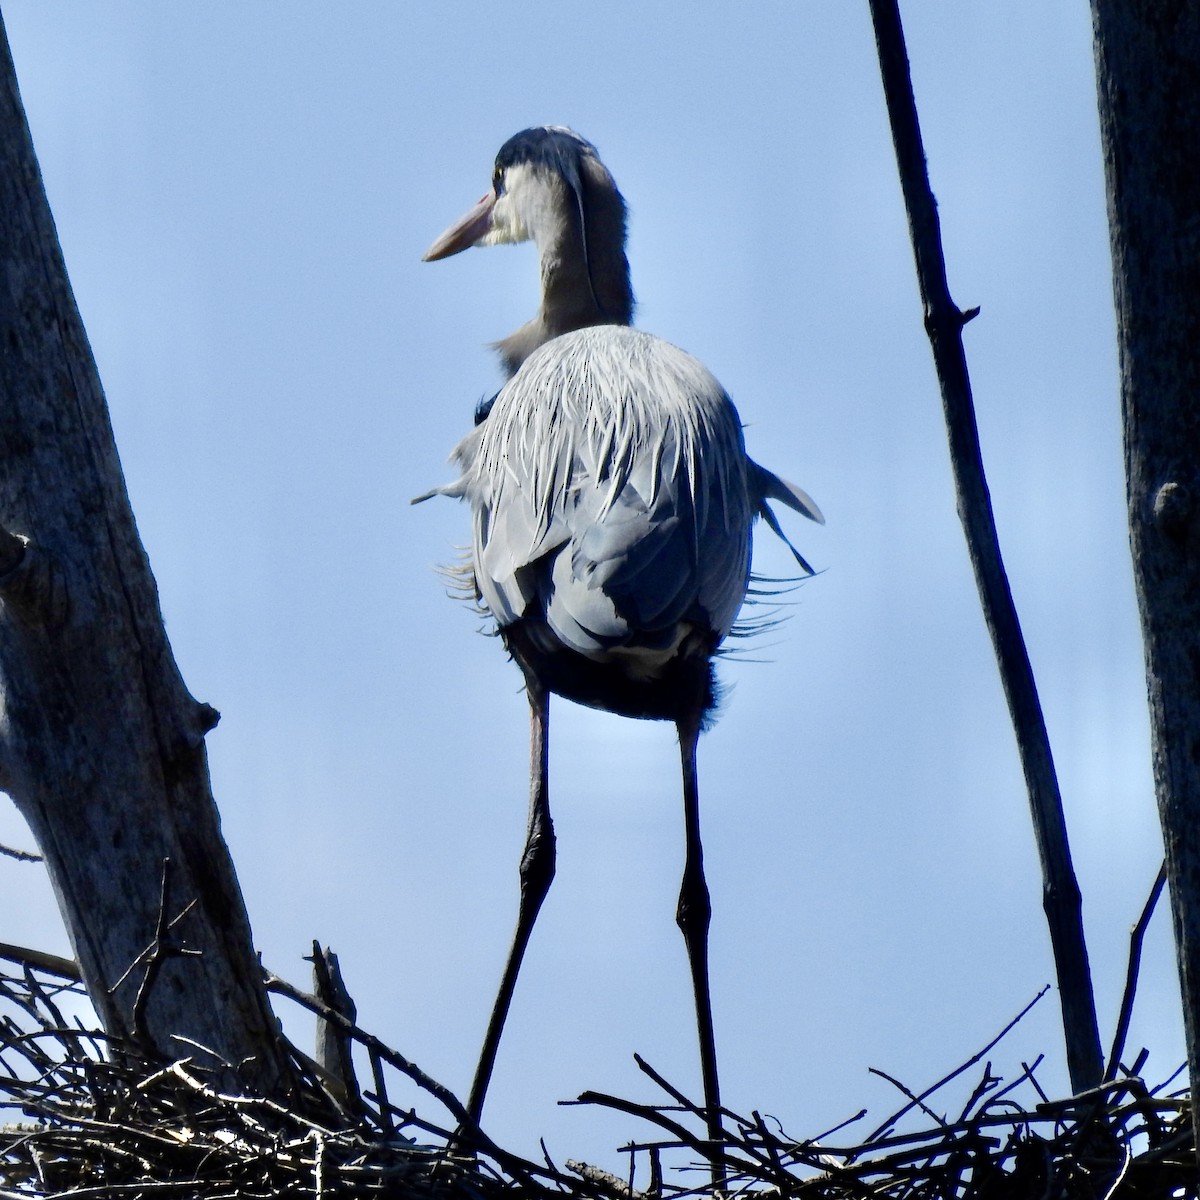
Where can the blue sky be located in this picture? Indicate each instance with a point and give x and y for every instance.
(243, 193)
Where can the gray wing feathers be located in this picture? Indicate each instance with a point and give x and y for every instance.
(612, 495)
(609, 490)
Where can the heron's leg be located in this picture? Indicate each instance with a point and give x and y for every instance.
(692, 916)
(537, 870)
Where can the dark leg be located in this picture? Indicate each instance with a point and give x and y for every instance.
(537, 870)
(692, 916)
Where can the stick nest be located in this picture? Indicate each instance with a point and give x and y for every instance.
(98, 1119)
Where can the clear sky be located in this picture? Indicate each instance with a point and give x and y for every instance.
(243, 194)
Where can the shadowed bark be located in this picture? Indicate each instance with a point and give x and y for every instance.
(1147, 56)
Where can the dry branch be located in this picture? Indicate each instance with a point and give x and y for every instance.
(19, 855)
(944, 323)
(1136, 936)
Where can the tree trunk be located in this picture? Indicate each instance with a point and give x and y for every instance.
(1148, 68)
(101, 746)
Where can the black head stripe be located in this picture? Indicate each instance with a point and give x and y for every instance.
(551, 146)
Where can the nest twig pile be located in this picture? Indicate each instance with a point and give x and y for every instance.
(96, 1119)
(1124, 1141)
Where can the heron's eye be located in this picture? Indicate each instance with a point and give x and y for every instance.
(498, 181)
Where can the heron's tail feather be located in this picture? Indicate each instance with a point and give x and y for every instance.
(764, 511)
(766, 485)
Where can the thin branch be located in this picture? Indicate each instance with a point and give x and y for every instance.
(161, 949)
(1136, 936)
(1027, 1071)
(841, 1125)
(438, 1091)
(915, 1100)
(20, 855)
(606, 1181)
(956, 1072)
(699, 1144)
(987, 1084)
(667, 1087)
(39, 960)
(944, 322)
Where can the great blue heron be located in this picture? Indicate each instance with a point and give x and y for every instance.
(612, 502)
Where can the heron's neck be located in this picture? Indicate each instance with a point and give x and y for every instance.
(572, 296)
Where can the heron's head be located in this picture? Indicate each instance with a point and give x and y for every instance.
(550, 187)
(547, 182)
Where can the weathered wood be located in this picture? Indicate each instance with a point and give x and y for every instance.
(101, 746)
(335, 1047)
(944, 322)
(1148, 75)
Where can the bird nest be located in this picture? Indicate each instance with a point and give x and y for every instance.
(98, 1119)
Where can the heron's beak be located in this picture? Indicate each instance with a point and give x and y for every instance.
(465, 232)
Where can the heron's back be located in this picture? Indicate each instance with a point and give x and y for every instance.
(612, 517)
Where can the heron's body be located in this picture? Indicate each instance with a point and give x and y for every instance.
(612, 502)
(612, 512)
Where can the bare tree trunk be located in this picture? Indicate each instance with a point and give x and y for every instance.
(1148, 70)
(101, 746)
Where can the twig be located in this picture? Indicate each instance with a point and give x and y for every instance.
(156, 947)
(669, 1088)
(20, 855)
(917, 1101)
(160, 949)
(438, 1091)
(1026, 1074)
(1170, 1079)
(700, 1145)
(39, 960)
(385, 1107)
(944, 323)
(208, 1051)
(957, 1070)
(1136, 936)
(605, 1180)
(1037, 1087)
(770, 1143)
(982, 1088)
(858, 1116)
